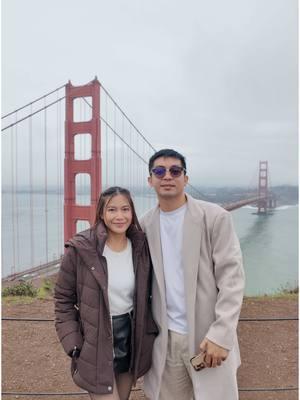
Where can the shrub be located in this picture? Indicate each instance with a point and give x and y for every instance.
(20, 289)
(47, 284)
(46, 289)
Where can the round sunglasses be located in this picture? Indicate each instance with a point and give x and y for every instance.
(175, 171)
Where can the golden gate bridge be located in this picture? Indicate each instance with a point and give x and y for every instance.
(58, 152)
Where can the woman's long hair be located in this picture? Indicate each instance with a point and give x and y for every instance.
(109, 194)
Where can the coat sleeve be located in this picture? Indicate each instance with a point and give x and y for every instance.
(66, 315)
(229, 276)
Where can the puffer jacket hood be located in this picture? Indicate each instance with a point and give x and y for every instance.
(94, 239)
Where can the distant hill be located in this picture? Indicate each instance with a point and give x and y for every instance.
(285, 194)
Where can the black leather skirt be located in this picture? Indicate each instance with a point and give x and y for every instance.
(121, 325)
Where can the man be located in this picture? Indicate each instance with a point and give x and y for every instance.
(197, 289)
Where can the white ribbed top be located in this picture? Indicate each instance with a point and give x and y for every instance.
(120, 279)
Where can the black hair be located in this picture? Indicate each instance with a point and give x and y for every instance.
(105, 198)
(167, 153)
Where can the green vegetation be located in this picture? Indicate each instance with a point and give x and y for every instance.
(20, 289)
(27, 289)
(284, 292)
(46, 289)
(287, 291)
(25, 292)
(276, 296)
(290, 290)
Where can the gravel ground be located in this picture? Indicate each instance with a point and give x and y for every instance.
(33, 359)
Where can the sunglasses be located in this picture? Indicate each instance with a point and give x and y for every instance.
(175, 171)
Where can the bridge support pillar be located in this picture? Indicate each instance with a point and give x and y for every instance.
(263, 187)
(72, 211)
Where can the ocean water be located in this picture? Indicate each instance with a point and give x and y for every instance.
(270, 248)
(269, 243)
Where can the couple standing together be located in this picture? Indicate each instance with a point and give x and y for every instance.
(136, 299)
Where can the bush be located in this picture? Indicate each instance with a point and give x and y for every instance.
(294, 290)
(46, 289)
(47, 285)
(20, 289)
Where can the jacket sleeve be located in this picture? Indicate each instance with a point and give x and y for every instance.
(229, 276)
(66, 315)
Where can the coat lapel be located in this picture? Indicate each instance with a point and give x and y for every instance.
(192, 233)
(153, 234)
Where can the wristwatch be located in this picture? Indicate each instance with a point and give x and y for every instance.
(75, 352)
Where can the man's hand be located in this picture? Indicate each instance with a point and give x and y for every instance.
(214, 354)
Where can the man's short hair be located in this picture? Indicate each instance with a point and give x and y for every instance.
(167, 153)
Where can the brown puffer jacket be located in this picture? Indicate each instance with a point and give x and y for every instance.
(82, 309)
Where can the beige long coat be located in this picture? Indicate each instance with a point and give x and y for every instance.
(214, 284)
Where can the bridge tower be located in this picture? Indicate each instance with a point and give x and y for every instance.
(72, 211)
(263, 190)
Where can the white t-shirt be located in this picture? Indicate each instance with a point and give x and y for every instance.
(171, 233)
(120, 279)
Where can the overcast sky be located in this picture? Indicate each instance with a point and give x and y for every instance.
(216, 80)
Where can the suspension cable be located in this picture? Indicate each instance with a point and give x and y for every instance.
(12, 160)
(34, 101)
(31, 191)
(122, 153)
(30, 115)
(128, 145)
(106, 144)
(118, 107)
(17, 196)
(46, 182)
(131, 161)
(115, 142)
(57, 176)
(131, 124)
(61, 171)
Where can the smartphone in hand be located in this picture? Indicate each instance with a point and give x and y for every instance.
(198, 362)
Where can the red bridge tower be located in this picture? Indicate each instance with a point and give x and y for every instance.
(72, 211)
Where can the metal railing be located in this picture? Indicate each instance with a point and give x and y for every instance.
(81, 393)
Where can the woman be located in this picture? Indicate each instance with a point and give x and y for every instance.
(103, 300)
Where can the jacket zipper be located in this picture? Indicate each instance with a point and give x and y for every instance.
(110, 316)
(133, 319)
(112, 336)
(144, 311)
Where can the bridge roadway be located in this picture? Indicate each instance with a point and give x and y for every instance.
(241, 203)
(41, 271)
